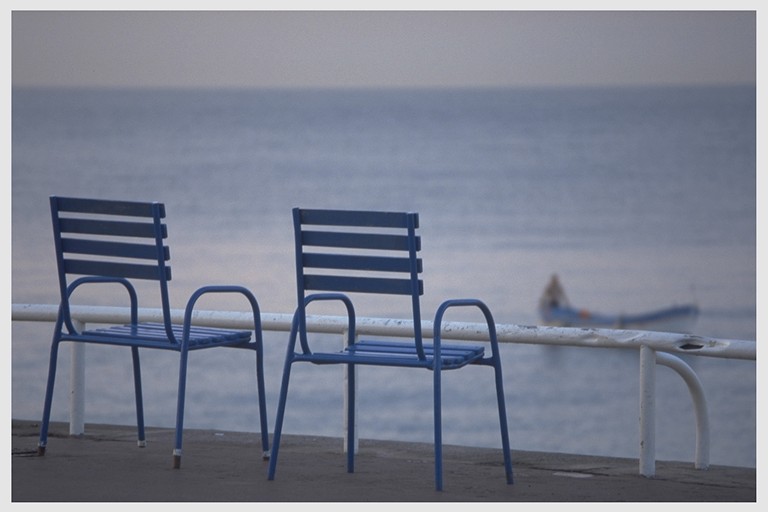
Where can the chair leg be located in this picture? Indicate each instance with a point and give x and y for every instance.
(184, 355)
(503, 420)
(48, 396)
(279, 419)
(262, 402)
(438, 430)
(351, 418)
(142, 440)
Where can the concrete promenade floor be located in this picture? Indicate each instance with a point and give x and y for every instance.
(105, 465)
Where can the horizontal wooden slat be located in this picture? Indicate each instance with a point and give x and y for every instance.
(393, 347)
(115, 269)
(355, 262)
(357, 218)
(384, 353)
(107, 207)
(357, 240)
(361, 284)
(110, 227)
(113, 249)
(156, 332)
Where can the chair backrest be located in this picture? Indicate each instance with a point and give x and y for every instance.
(360, 252)
(110, 239)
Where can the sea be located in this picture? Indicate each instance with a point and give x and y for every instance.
(635, 197)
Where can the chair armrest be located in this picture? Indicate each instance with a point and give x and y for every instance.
(300, 321)
(219, 289)
(64, 307)
(437, 325)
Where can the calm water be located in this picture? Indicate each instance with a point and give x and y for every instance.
(637, 198)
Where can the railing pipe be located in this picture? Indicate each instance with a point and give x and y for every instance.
(506, 333)
(654, 347)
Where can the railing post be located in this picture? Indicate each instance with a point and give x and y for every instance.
(77, 385)
(647, 411)
(696, 390)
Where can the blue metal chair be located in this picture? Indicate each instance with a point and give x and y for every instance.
(105, 241)
(341, 252)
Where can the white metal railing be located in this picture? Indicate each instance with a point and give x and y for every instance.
(654, 347)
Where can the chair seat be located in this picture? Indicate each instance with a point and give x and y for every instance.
(154, 334)
(391, 353)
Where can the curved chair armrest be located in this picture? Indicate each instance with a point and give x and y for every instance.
(221, 289)
(351, 322)
(64, 307)
(437, 325)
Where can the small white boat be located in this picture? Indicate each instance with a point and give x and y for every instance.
(556, 310)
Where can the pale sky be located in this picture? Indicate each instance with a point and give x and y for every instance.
(382, 48)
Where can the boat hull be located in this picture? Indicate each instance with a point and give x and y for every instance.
(672, 319)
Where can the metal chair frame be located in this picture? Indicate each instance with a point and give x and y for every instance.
(108, 241)
(339, 252)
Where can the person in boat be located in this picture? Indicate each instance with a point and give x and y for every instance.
(554, 295)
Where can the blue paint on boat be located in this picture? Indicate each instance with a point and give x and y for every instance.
(555, 310)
